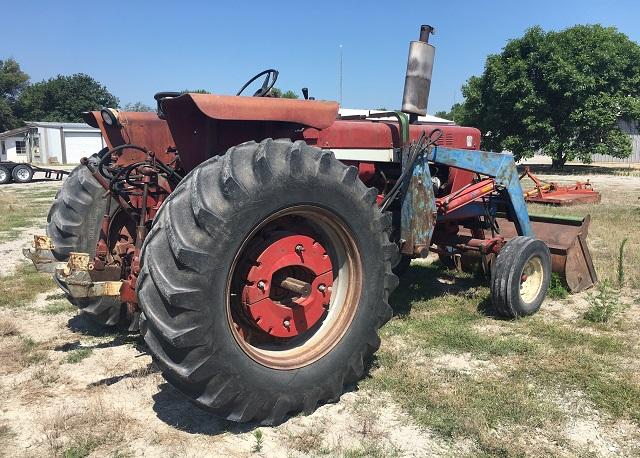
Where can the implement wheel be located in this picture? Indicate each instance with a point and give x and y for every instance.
(73, 224)
(520, 277)
(264, 280)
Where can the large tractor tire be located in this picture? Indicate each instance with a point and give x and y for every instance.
(73, 224)
(216, 314)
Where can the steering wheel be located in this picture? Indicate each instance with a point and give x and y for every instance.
(269, 81)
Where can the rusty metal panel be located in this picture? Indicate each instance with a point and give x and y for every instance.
(139, 128)
(418, 214)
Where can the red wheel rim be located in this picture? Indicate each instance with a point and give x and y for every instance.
(294, 287)
(279, 311)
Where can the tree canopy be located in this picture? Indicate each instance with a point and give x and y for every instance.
(63, 98)
(559, 93)
(289, 94)
(12, 83)
(138, 106)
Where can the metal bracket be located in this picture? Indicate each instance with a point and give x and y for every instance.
(41, 255)
(75, 277)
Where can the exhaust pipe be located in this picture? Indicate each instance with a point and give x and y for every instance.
(418, 78)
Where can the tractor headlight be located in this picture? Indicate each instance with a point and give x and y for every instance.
(109, 116)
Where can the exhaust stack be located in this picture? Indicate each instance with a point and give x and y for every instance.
(418, 79)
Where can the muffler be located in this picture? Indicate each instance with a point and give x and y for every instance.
(417, 81)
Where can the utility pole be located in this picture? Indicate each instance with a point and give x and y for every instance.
(340, 75)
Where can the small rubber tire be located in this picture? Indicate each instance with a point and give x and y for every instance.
(73, 224)
(508, 277)
(22, 173)
(189, 254)
(5, 175)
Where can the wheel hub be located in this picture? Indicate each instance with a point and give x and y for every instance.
(531, 279)
(288, 288)
(23, 174)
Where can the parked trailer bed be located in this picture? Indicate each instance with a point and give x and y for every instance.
(23, 173)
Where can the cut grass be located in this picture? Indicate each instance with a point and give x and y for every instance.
(58, 307)
(23, 286)
(532, 360)
(77, 355)
(21, 208)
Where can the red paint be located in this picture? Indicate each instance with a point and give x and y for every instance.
(368, 134)
(465, 195)
(271, 307)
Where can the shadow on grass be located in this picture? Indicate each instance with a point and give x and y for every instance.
(425, 282)
(136, 373)
(177, 410)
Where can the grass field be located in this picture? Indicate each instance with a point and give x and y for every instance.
(449, 378)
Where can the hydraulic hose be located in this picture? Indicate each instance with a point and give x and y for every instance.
(414, 152)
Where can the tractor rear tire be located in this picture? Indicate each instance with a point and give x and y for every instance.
(520, 277)
(192, 256)
(73, 224)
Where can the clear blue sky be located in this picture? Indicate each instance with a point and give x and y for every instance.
(137, 48)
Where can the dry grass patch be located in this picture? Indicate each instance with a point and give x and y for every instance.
(21, 208)
(23, 286)
(79, 430)
(8, 327)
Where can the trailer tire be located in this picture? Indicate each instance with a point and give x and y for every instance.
(196, 247)
(5, 175)
(22, 173)
(520, 277)
(73, 224)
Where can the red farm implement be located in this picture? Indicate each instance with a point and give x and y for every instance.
(549, 193)
(259, 270)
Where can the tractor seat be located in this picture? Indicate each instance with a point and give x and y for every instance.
(312, 113)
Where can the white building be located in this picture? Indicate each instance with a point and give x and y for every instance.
(50, 143)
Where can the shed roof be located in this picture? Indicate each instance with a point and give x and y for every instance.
(58, 125)
(14, 132)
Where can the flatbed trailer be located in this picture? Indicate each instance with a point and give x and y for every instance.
(23, 172)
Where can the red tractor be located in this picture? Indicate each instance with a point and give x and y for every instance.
(255, 240)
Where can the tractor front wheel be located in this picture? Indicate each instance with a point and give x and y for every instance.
(264, 280)
(520, 277)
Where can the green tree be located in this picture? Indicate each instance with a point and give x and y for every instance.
(12, 83)
(275, 92)
(560, 93)
(138, 106)
(455, 114)
(64, 98)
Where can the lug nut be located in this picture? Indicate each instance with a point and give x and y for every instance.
(286, 323)
(299, 248)
(322, 287)
(261, 284)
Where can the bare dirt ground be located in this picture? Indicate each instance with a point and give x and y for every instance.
(69, 388)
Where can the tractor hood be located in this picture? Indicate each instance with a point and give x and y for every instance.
(205, 125)
(311, 113)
